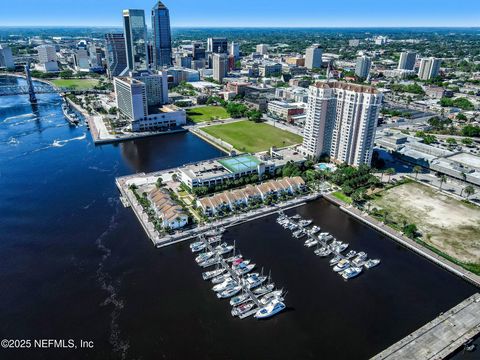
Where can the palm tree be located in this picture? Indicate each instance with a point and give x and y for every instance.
(390, 172)
(416, 170)
(464, 176)
(469, 191)
(443, 179)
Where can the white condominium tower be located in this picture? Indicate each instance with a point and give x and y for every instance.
(341, 122)
(313, 57)
(362, 68)
(220, 66)
(407, 60)
(429, 68)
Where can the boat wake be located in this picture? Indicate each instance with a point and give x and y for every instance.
(61, 143)
(120, 346)
(23, 116)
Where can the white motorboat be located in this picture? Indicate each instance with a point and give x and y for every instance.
(223, 249)
(371, 263)
(199, 248)
(243, 268)
(311, 242)
(221, 278)
(204, 256)
(196, 244)
(224, 285)
(299, 234)
(335, 260)
(315, 230)
(342, 247)
(210, 262)
(270, 296)
(214, 239)
(341, 265)
(243, 308)
(269, 310)
(263, 289)
(305, 223)
(360, 259)
(351, 272)
(254, 280)
(229, 292)
(215, 232)
(207, 275)
(239, 299)
(351, 254)
(322, 252)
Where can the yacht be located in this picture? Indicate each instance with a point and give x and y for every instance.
(305, 223)
(335, 260)
(311, 242)
(341, 265)
(239, 299)
(235, 265)
(233, 258)
(315, 230)
(351, 272)
(263, 289)
(254, 280)
(269, 310)
(351, 254)
(196, 244)
(371, 263)
(295, 217)
(214, 239)
(243, 308)
(207, 275)
(270, 296)
(299, 234)
(322, 252)
(223, 248)
(360, 259)
(243, 268)
(341, 247)
(221, 278)
(204, 256)
(229, 292)
(224, 285)
(199, 248)
(210, 262)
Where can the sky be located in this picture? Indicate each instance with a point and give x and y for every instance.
(248, 13)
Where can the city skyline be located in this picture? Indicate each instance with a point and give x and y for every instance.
(347, 13)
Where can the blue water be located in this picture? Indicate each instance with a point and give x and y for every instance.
(75, 264)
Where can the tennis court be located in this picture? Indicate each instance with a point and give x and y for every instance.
(241, 163)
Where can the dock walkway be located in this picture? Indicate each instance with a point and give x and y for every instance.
(441, 336)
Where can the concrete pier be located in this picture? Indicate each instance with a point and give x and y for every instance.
(441, 336)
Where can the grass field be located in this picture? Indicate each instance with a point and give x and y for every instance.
(248, 136)
(77, 84)
(207, 113)
(446, 224)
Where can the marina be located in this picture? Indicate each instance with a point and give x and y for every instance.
(348, 266)
(232, 276)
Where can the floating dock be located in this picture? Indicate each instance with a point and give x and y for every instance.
(441, 336)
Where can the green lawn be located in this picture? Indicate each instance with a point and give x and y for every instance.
(207, 113)
(77, 84)
(252, 137)
(341, 196)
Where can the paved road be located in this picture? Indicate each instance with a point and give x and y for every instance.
(284, 126)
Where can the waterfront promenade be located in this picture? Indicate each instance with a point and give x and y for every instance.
(440, 337)
(405, 241)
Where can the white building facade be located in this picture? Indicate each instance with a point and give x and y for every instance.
(313, 57)
(47, 58)
(429, 68)
(341, 122)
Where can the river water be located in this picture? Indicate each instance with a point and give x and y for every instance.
(74, 264)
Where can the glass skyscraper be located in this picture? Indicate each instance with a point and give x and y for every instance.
(115, 54)
(162, 52)
(135, 39)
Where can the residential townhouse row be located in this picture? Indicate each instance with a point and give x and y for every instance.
(170, 213)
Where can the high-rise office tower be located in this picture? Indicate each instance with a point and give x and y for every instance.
(313, 57)
(217, 45)
(235, 50)
(47, 58)
(341, 122)
(116, 55)
(162, 54)
(220, 66)
(81, 60)
(6, 57)
(362, 69)
(135, 32)
(407, 60)
(198, 51)
(262, 49)
(96, 55)
(429, 68)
